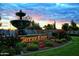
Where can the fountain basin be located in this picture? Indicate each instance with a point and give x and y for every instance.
(20, 24)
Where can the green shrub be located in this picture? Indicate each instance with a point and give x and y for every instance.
(8, 52)
(32, 47)
(35, 42)
(68, 38)
(12, 51)
(21, 44)
(20, 47)
(54, 34)
(48, 43)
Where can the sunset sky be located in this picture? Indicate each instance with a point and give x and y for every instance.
(42, 13)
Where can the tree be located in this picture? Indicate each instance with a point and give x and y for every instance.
(35, 26)
(54, 25)
(65, 26)
(49, 26)
(0, 17)
(73, 26)
(0, 22)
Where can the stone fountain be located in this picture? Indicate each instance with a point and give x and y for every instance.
(21, 24)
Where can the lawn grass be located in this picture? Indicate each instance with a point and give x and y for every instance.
(71, 49)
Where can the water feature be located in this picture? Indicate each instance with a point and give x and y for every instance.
(20, 24)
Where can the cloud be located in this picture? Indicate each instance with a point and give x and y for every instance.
(43, 11)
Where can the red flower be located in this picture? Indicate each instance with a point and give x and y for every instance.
(41, 45)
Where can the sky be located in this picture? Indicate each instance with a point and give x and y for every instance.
(42, 13)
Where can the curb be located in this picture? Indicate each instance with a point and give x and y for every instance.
(29, 54)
